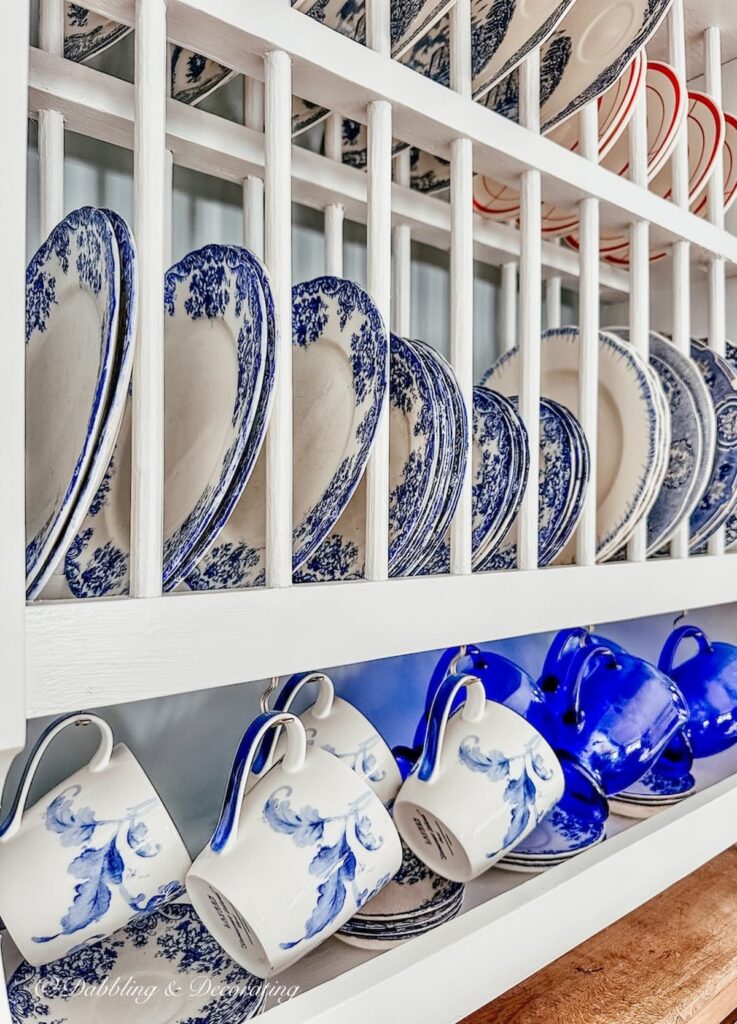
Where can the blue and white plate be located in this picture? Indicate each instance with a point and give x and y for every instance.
(627, 429)
(410, 19)
(449, 485)
(720, 496)
(87, 33)
(72, 312)
(693, 438)
(731, 525)
(561, 480)
(162, 967)
(117, 401)
(195, 562)
(413, 453)
(339, 369)
(215, 346)
(503, 32)
(583, 57)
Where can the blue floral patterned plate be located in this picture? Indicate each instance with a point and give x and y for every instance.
(215, 334)
(448, 486)
(165, 968)
(195, 565)
(503, 32)
(87, 33)
(585, 55)
(731, 525)
(339, 353)
(117, 401)
(693, 438)
(72, 312)
(413, 452)
(718, 501)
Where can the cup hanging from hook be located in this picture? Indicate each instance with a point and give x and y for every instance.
(273, 685)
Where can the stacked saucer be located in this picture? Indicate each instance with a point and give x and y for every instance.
(575, 824)
(414, 902)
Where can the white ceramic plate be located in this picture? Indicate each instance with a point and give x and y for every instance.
(730, 169)
(627, 425)
(584, 56)
(72, 310)
(215, 341)
(339, 370)
(113, 418)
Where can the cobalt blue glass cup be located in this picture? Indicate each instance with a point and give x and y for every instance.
(708, 682)
(671, 773)
(617, 715)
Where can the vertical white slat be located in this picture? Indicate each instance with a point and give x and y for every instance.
(461, 276)
(379, 285)
(717, 269)
(168, 208)
(14, 59)
(639, 279)
(530, 314)
(378, 26)
(402, 258)
(588, 386)
(278, 253)
(147, 470)
(681, 249)
(334, 212)
(553, 302)
(253, 186)
(508, 307)
(51, 124)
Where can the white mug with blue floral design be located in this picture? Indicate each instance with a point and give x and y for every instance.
(484, 781)
(339, 727)
(96, 852)
(295, 856)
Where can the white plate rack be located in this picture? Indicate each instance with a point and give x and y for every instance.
(63, 655)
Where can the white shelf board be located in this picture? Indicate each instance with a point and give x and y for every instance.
(98, 105)
(342, 75)
(96, 653)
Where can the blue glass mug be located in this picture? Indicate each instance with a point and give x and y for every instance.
(708, 682)
(618, 714)
(671, 773)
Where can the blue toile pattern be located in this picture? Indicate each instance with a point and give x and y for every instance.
(339, 841)
(103, 864)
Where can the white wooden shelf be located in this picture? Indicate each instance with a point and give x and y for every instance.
(96, 653)
(102, 107)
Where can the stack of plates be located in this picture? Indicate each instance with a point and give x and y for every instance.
(428, 440)
(166, 960)
(80, 334)
(633, 427)
(650, 795)
(575, 824)
(220, 338)
(414, 902)
(563, 481)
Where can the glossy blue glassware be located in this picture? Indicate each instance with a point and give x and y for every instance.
(613, 714)
(708, 682)
(671, 773)
(504, 681)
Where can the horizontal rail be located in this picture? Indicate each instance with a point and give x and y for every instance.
(97, 653)
(98, 105)
(337, 73)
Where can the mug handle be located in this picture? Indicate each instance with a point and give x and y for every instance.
(471, 711)
(100, 760)
(558, 647)
(670, 648)
(321, 709)
(226, 830)
(577, 672)
(449, 663)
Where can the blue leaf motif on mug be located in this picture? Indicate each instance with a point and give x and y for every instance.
(334, 861)
(100, 869)
(494, 764)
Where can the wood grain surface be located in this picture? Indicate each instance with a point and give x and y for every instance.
(672, 961)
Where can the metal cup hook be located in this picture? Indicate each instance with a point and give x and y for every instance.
(680, 618)
(458, 658)
(273, 685)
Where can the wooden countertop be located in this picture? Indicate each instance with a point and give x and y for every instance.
(672, 961)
